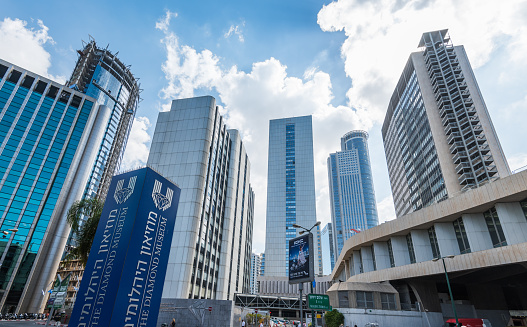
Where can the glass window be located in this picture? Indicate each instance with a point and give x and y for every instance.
(343, 299)
(365, 300)
(433, 242)
(390, 253)
(410, 245)
(461, 236)
(494, 227)
(524, 207)
(388, 301)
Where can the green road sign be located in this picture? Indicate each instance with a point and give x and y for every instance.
(318, 302)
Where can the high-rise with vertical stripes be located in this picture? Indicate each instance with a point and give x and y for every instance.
(438, 136)
(49, 135)
(290, 192)
(352, 197)
(210, 256)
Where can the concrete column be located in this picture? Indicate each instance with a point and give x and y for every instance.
(367, 259)
(422, 247)
(401, 255)
(446, 239)
(357, 264)
(382, 255)
(477, 232)
(513, 222)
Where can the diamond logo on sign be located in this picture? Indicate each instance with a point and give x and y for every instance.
(162, 202)
(122, 194)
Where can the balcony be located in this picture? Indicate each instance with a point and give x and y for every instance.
(454, 136)
(448, 118)
(463, 167)
(456, 146)
(459, 156)
(466, 178)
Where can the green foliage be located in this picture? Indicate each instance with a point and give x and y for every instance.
(83, 217)
(334, 318)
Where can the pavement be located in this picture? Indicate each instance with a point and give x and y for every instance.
(26, 323)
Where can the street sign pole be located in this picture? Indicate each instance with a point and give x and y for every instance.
(301, 288)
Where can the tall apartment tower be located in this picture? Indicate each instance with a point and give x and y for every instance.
(101, 75)
(256, 270)
(48, 134)
(438, 136)
(290, 191)
(352, 197)
(211, 249)
(328, 249)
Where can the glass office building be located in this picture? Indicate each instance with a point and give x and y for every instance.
(290, 191)
(210, 256)
(438, 136)
(47, 132)
(328, 249)
(352, 197)
(101, 75)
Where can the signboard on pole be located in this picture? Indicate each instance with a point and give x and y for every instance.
(318, 302)
(123, 280)
(301, 259)
(58, 293)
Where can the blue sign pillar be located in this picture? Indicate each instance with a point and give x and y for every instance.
(123, 280)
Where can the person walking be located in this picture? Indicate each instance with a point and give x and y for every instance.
(173, 323)
(243, 323)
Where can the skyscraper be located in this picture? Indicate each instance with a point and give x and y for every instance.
(211, 249)
(256, 270)
(438, 136)
(352, 197)
(290, 191)
(101, 75)
(328, 249)
(48, 134)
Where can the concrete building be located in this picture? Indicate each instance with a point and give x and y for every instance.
(438, 136)
(290, 191)
(48, 134)
(256, 270)
(210, 256)
(328, 249)
(352, 197)
(481, 233)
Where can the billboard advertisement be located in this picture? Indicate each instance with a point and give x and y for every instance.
(124, 276)
(301, 259)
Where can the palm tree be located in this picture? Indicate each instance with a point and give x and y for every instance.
(83, 217)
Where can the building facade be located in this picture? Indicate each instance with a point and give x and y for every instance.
(211, 250)
(256, 270)
(290, 191)
(47, 133)
(328, 249)
(353, 205)
(101, 75)
(482, 236)
(438, 136)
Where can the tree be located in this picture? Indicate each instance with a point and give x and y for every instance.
(334, 318)
(83, 217)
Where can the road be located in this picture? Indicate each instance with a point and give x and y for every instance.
(22, 323)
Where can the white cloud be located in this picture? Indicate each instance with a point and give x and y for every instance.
(251, 99)
(236, 30)
(382, 33)
(386, 210)
(137, 148)
(24, 46)
(163, 23)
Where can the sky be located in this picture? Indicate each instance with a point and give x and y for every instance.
(266, 59)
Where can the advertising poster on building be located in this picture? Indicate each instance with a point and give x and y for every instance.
(301, 264)
(123, 280)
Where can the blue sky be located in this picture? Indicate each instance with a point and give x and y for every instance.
(338, 61)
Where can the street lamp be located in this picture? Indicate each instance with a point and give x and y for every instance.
(301, 285)
(449, 288)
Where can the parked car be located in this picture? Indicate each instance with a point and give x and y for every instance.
(469, 322)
